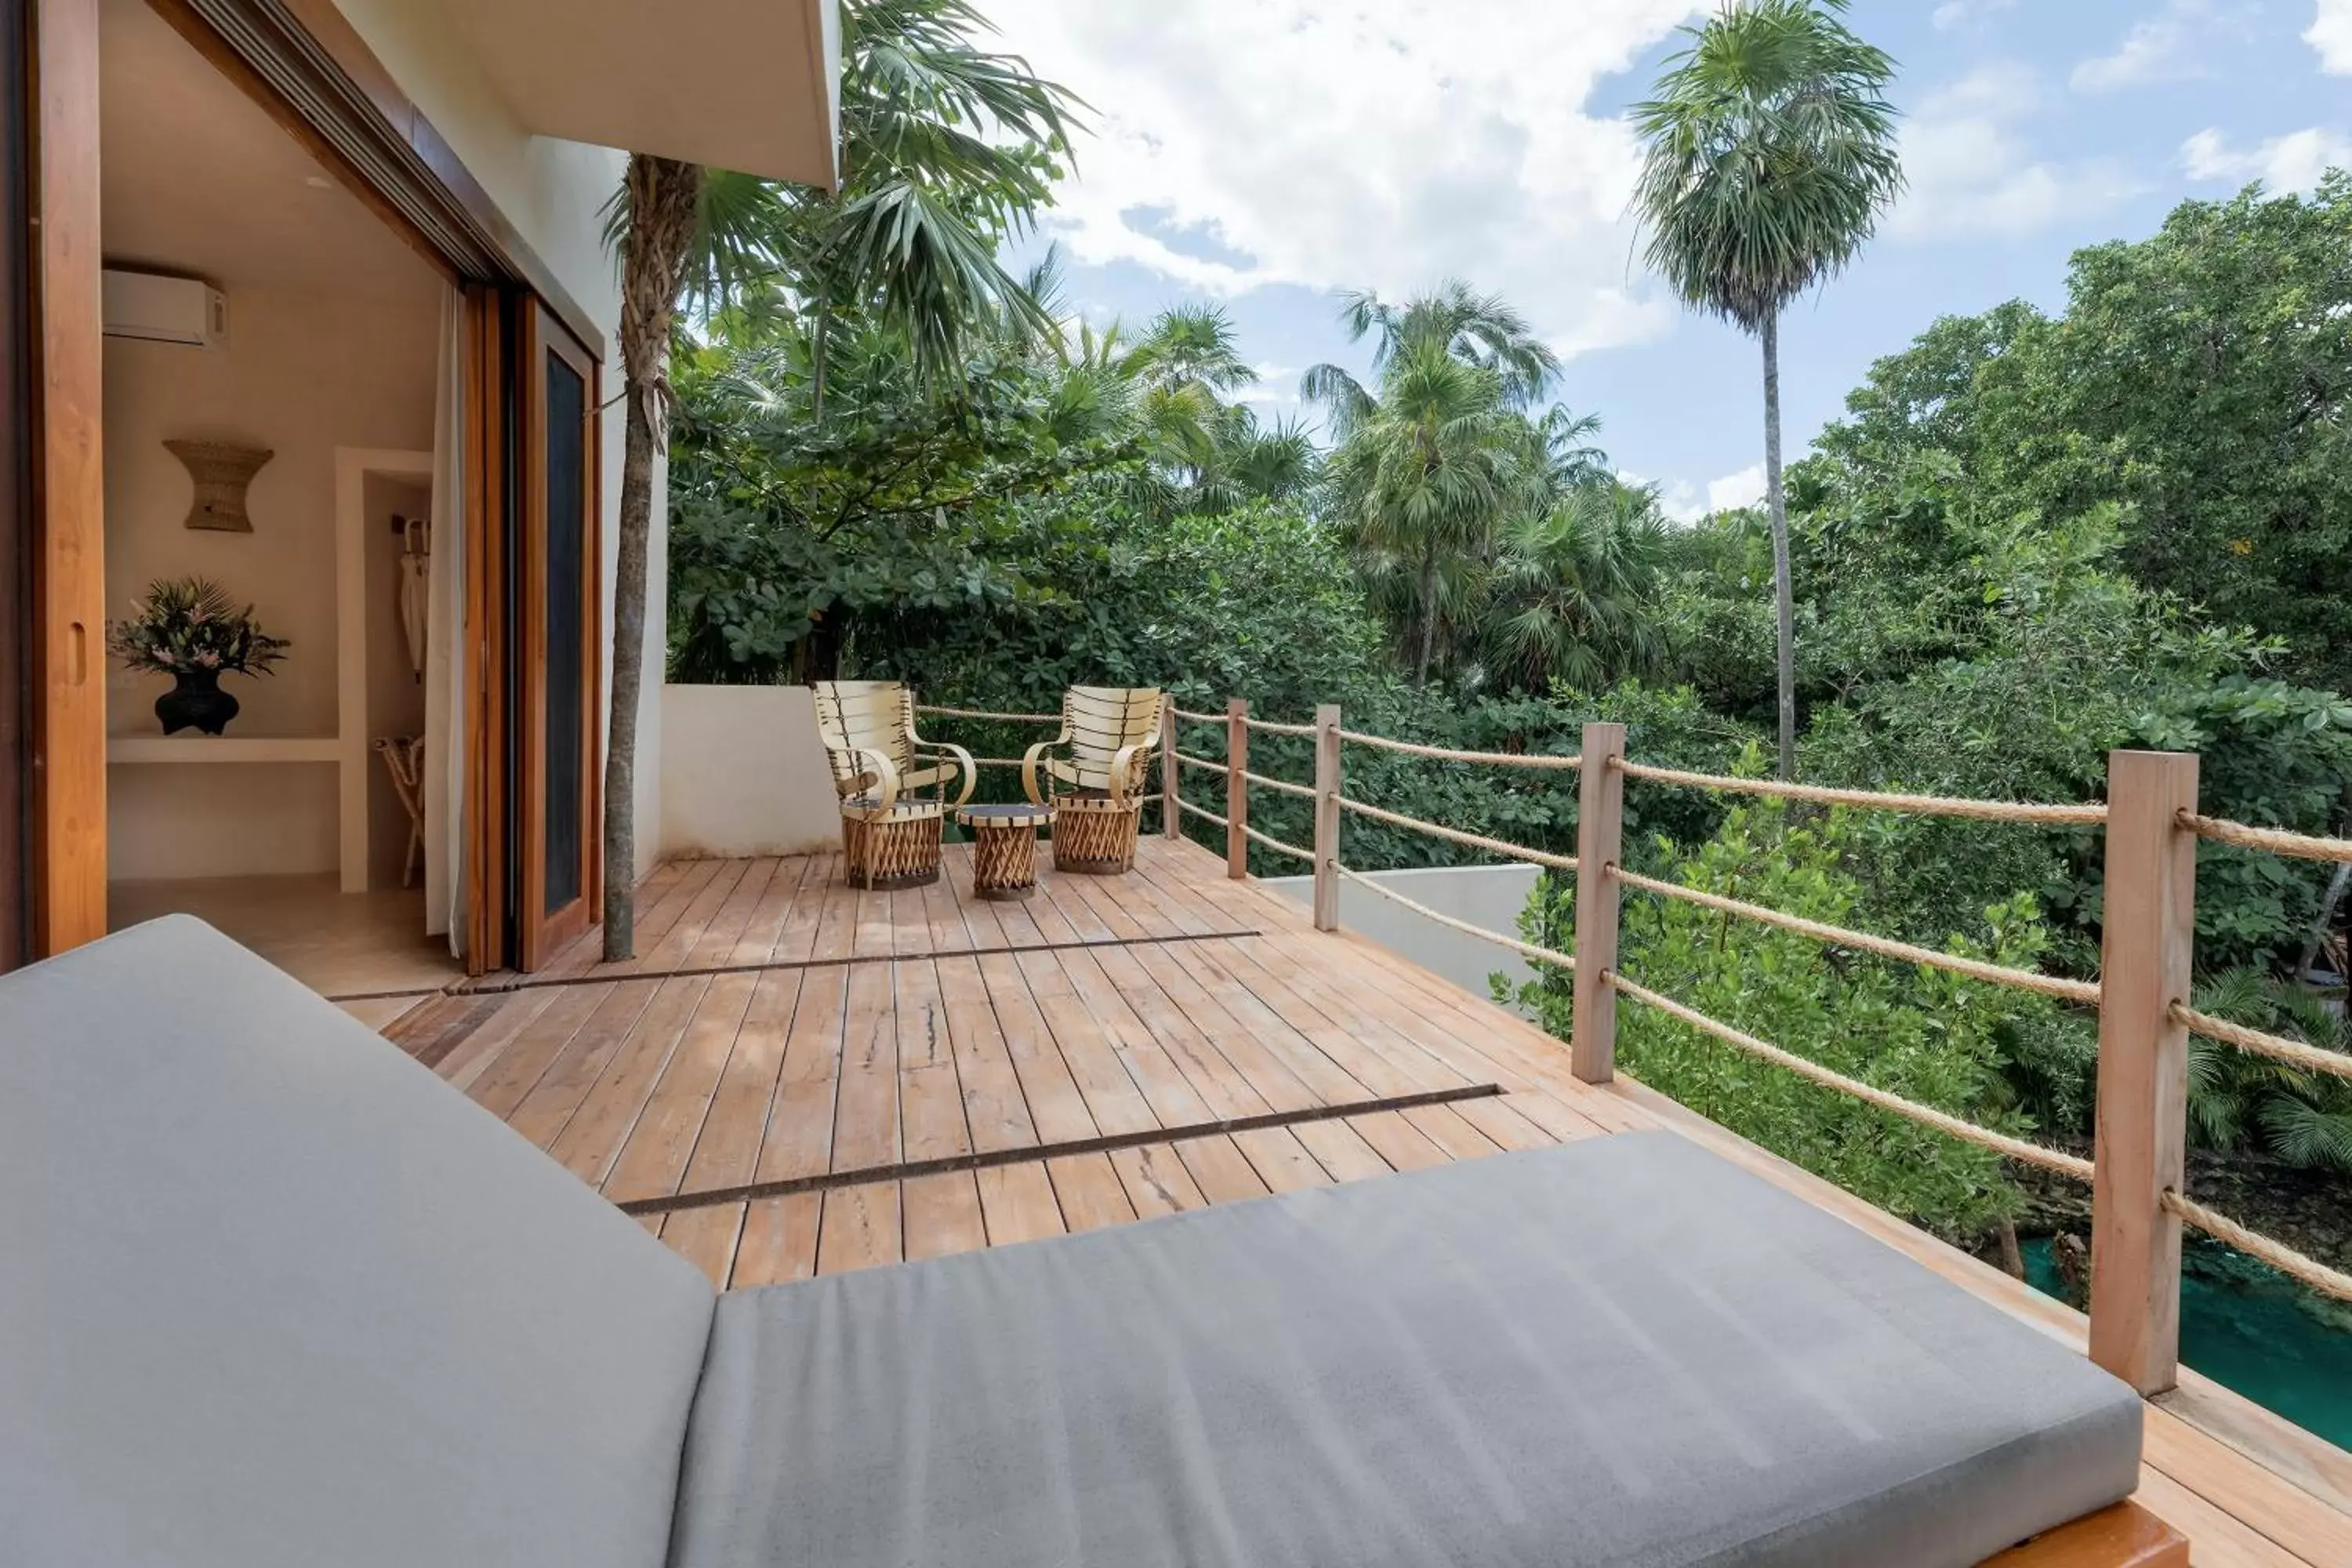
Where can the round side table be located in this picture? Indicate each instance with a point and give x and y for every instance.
(1003, 848)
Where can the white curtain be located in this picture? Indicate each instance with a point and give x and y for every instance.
(445, 656)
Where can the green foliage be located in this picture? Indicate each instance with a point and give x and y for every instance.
(188, 625)
(1921, 1033)
(2238, 1101)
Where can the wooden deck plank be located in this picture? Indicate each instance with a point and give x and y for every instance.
(727, 1147)
(798, 1137)
(778, 1241)
(1088, 1188)
(591, 1137)
(652, 1161)
(859, 1228)
(1018, 1203)
(1156, 1180)
(1049, 1088)
(996, 1109)
(502, 1080)
(865, 1106)
(943, 1214)
(708, 1239)
(765, 926)
(555, 1093)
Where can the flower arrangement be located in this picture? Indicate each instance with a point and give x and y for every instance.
(188, 626)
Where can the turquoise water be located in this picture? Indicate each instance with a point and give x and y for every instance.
(2254, 1332)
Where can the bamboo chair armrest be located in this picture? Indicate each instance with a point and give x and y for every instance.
(962, 760)
(1122, 762)
(885, 773)
(1029, 758)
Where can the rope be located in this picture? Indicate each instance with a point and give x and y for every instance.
(1472, 840)
(1926, 805)
(2221, 830)
(984, 713)
(1271, 728)
(1183, 806)
(1526, 950)
(1198, 718)
(2285, 1260)
(1999, 974)
(1293, 850)
(1968, 1131)
(1284, 785)
(1202, 763)
(2295, 1053)
(1501, 759)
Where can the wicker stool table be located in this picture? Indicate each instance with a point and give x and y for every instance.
(894, 847)
(1093, 834)
(1003, 848)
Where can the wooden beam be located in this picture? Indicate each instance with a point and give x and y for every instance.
(1237, 787)
(1326, 818)
(2148, 935)
(2124, 1536)
(1172, 822)
(69, 484)
(1600, 833)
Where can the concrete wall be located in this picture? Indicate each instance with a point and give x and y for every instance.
(1487, 896)
(553, 192)
(300, 376)
(743, 772)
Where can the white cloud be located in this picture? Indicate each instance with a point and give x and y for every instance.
(1971, 170)
(2291, 163)
(2162, 47)
(1745, 488)
(1956, 14)
(1385, 145)
(2331, 34)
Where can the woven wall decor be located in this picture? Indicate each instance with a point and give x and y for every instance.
(222, 471)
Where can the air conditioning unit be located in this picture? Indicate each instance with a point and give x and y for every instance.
(161, 310)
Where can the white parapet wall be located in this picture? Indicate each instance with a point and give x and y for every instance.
(743, 772)
(1489, 897)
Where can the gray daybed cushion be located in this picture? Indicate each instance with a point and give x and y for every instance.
(272, 1296)
(1623, 1352)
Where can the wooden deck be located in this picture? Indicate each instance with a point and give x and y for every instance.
(904, 1075)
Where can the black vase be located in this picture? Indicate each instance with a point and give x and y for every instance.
(197, 701)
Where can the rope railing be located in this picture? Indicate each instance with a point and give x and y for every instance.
(1268, 727)
(2052, 985)
(1283, 786)
(985, 713)
(1186, 808)
(1455, 835)
(2275, 841)
(2284, 1259)
(1447, 754)
(2278, 1047)
(2017, 1149)
(1197, 717)
(1526, 950)
(1918, 804)
(1277, 845)
(1202, 763)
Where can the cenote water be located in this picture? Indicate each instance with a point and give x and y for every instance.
(2255, 1332)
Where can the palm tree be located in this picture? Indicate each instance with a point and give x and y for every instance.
(1570, 595)
(1770, 157)
(1481, 330)
(945, 149)
(1426, 471)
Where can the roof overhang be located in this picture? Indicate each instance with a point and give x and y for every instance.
(748, 85)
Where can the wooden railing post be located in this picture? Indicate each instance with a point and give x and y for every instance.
(1170, 824)
(1600, 833)
(1326, 818)
(2148, 937)
(1237, 787)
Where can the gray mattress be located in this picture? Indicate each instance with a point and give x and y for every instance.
(1625, 1351)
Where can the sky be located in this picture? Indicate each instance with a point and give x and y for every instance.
(1263, 154)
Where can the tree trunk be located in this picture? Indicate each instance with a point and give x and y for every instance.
(2319, 928)
(663, 196)
(1428, 614)
(817, 362)
(2013, 1256)
(1784, 599)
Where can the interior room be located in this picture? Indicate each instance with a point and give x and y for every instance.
(278, 363)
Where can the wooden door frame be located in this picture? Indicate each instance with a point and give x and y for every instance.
(538, 936)
(303, 63)
(17, 598)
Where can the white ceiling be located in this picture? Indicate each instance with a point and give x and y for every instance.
(195, 178)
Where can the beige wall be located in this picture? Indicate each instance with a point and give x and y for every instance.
(553, 192)
(300, 376)
(744, 773)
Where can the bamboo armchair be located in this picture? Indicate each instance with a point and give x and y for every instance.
(882, 770)
(1109, 734)
(1102, 755)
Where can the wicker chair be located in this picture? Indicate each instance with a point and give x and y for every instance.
(882, 771)
(1092, 775)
